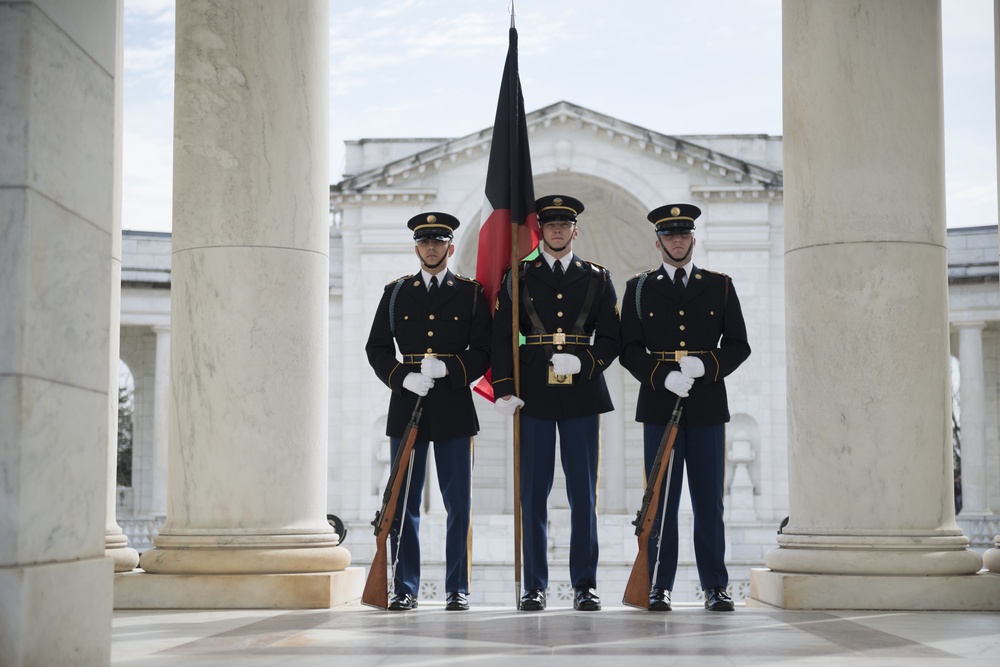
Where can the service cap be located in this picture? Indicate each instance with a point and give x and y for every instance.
(674, 218)
(440, 226)
(558, 207)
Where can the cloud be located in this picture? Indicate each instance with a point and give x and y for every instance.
(153, 59)
(417, 68)
(150, 11)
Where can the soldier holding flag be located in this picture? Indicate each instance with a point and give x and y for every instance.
(568, 314)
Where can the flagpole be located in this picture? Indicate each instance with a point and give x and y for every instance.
(516, 215)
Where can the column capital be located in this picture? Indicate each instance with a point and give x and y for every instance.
(973, 324)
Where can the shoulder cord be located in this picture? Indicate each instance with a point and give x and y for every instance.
(638, 294)
(392, 306)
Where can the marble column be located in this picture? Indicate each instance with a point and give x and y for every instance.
(611, 491)
(161, 420)
(872, 520)
(741, 499)
(249, 315)
(972, 399)
(991, 559)
(57, 155)
(115, 542)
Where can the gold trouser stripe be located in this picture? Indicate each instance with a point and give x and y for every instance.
(597, 477)
(468, 539)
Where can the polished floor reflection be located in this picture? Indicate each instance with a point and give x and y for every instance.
(617, 636)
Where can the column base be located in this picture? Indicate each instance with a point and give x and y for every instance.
(116, 548)
(975, 592)
(878, 554)
(312, 590)
(991, 560)
(244, 561)
(56, 614)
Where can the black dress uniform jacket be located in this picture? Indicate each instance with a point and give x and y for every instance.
(455, 322)
(706, 319)
(558, 304)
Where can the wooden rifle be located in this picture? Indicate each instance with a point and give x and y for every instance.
(376, 592)
(638, 586)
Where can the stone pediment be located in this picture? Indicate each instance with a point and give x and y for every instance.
(724, 175)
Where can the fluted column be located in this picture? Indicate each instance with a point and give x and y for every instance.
(612, 471)
(872, 520)
(249, 296)
(57, 154)
(972, 399)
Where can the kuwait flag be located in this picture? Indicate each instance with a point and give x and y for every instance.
(510, 191)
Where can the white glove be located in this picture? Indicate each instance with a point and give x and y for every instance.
(693, 367)
(433, 368)
(417, 383)
(565, 364)
(508, 406)
(678, 383)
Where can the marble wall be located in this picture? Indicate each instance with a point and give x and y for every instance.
(57, 186)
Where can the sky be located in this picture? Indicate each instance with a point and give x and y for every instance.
(432, 68)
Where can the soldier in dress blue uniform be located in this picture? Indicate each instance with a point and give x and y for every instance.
(569, 317)
(441, 324)
(682, 334)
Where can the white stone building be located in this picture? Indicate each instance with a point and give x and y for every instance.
(620, 171)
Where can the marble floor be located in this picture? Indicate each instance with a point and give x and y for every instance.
(354, 635)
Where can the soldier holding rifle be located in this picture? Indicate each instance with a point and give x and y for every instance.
(569, 317)
(682, 334)
(441, 324)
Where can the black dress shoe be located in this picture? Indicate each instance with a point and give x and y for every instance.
(533, 600)
(659, 599)
(717, 599)
(586, 600)
(456, 602)
(402, 602)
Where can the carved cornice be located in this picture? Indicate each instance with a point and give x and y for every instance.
(737, 192)
(381, 196)
(747, 180)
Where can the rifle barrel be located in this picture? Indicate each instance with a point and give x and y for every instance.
(638, 585)
(376, 591)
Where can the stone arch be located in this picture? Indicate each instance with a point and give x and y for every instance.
(613, 228)
(125, 439)
(137, 349)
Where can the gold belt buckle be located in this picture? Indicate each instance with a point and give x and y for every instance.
(680, 354)
(558, 380)
(558, 339)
